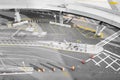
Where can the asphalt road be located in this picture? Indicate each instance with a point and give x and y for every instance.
(33, 56)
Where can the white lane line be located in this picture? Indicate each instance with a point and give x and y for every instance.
(19, 58)
(94, 57)
(15, 73)
(102, 59)
(108, 39)
(71, 57)
(114, 44)
(112, 53)
(62, 54)
(32, 56)
(47, 50)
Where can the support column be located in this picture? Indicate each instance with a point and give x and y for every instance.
(17, 16)
(61, 18)
(99, 29)
(18, 21)
(55, 18)
(60, 23)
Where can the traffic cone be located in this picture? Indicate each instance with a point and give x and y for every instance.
(92, 56)
(83, 61)
(72, 68)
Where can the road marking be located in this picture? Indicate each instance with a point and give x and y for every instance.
(81, 32)
(108, 39)
(113, 2)
(113, 44)
(64, 55)
(107, 55)
(32, 56)
(52, 29)
(66, 73)
(78, 41)
(26, 19)
(87, 28)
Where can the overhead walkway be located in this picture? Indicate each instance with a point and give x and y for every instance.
(102, 15)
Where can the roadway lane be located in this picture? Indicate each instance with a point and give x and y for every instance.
(34, 55)
(59, 33)
(88, 71)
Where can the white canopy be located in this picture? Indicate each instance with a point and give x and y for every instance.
(45, 3)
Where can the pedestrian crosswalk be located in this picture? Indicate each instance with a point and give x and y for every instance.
(108, 39)
(111, 60)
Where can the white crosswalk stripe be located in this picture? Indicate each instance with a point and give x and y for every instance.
(108, 39)
(113, 61)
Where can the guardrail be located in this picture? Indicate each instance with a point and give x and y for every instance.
(68, 46)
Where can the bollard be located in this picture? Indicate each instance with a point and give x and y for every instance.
(92, 56)
(41, 70)
(61, 68)
(51, 68)
(37, 68)
(73, 68)
(83, 61)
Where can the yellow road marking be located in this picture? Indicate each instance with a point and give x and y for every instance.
(102, 35)
(66, 73)
(113, 2)
(24, 68)
(78, 41)
(81, 32)
(90, 29)
(26, 19)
